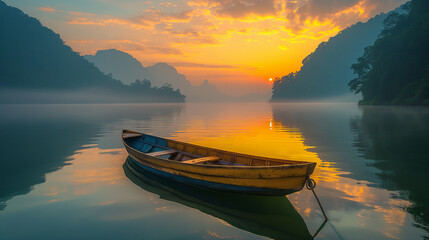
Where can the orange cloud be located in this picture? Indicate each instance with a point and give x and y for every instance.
(168, 4)
(80, 18)
(47, 9)
(77, 13)
(85, 21)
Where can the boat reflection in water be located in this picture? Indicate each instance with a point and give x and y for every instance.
(273, 217)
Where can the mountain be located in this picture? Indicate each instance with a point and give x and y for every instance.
(120, 64)
(162, 73)
(395, 69)
(36, 66)
(125, 67)
(326, 72)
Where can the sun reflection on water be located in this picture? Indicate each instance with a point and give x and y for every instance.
(261, 135)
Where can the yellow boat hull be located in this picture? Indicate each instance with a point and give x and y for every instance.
(245, 173)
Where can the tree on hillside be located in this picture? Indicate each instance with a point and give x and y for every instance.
(141, 84)
(280, 84)
(395, 70)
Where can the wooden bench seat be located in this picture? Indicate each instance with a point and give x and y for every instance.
(160, 153)
(201, 160)
(131, 135)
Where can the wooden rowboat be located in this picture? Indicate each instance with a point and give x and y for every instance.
(216, 169)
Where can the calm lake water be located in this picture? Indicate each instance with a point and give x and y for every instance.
(63, 172)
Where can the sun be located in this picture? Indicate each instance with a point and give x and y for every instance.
(271, 79)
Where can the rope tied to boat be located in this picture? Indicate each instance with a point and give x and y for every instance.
(310, 184)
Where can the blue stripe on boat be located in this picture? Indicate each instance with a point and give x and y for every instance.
(213, 185)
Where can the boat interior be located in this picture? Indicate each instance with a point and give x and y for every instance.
(193, 154)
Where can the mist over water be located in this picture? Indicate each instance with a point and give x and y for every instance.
(79, 96)
(63, 166)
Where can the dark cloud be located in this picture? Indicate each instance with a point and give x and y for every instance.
(298, 10)
(188, 35)
(242, 8)
(321, 9)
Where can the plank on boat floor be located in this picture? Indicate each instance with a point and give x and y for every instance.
(200, 160)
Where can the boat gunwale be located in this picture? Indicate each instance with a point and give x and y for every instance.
(282, 166)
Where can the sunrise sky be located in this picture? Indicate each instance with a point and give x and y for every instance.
(238, 45)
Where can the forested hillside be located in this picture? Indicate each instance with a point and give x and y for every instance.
(395, 70)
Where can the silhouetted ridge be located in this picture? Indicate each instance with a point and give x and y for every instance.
(326, 72)
(33, 57)
(120, 64)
